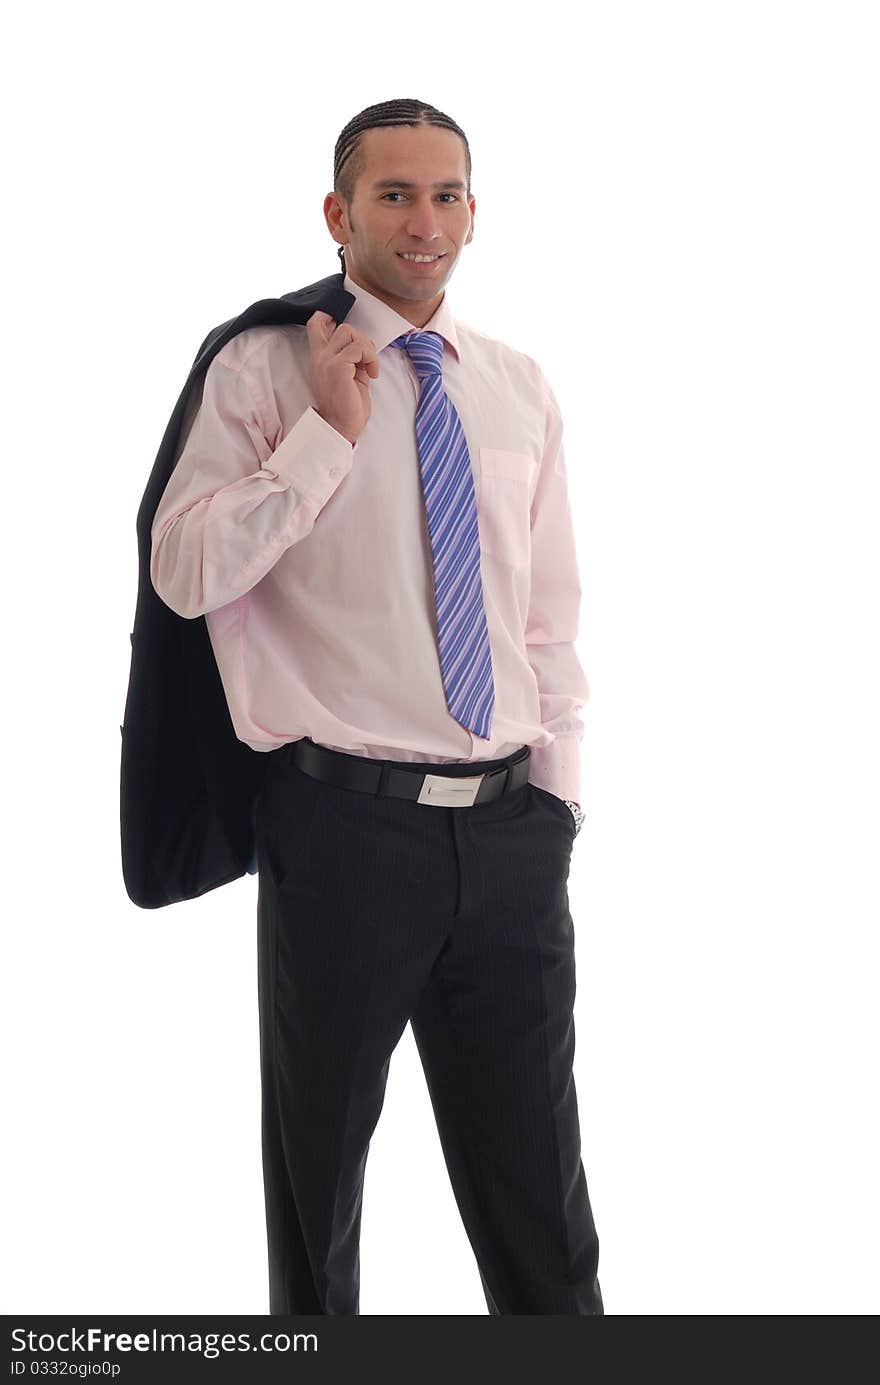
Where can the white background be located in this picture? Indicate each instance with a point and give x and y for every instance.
(677, 216)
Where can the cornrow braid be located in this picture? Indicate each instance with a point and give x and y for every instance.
(349, 160)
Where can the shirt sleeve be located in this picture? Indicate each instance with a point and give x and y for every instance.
(233, 504)
(553, 617)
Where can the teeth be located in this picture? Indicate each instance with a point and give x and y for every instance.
(420, 259)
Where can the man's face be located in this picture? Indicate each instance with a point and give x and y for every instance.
(387, 217)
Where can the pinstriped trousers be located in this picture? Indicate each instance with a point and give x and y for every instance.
(378, 911)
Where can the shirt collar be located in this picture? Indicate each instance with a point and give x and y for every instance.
(382, 324)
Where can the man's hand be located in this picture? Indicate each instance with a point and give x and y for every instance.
(342, 362)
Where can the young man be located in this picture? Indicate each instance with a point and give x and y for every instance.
(373, 517)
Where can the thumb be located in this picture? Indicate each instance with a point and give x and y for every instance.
(323, 323)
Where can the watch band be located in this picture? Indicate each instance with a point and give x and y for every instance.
(577, 813)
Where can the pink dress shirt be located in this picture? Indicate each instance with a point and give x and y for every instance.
(311, 559)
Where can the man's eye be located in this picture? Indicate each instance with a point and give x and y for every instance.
(442, 194)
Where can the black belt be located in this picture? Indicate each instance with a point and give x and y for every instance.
(453, 785)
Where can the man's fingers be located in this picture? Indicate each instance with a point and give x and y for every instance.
(360, 351)
(356, 349)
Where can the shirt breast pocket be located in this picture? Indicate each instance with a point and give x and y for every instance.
(507, 483)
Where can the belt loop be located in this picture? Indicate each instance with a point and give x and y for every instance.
(383, 778)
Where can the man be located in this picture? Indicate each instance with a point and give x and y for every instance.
(373, 518)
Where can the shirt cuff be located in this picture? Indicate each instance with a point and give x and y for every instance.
(557, 768)
(312, 458)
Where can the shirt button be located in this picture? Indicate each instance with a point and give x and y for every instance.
(335, 471)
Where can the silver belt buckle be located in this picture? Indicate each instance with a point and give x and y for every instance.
(445, 791)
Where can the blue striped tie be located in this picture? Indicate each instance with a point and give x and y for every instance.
(448, 488)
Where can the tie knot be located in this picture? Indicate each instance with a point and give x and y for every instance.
(425, 350)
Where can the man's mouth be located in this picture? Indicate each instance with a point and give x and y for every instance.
(414, 258)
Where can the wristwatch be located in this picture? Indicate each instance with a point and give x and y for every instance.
(577, 813)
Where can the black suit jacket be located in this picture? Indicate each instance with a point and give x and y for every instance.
(187, 783)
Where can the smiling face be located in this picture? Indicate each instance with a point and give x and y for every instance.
(400, 204)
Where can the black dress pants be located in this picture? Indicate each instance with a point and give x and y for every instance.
(374, 911)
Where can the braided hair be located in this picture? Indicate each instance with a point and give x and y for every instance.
(349, 159)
